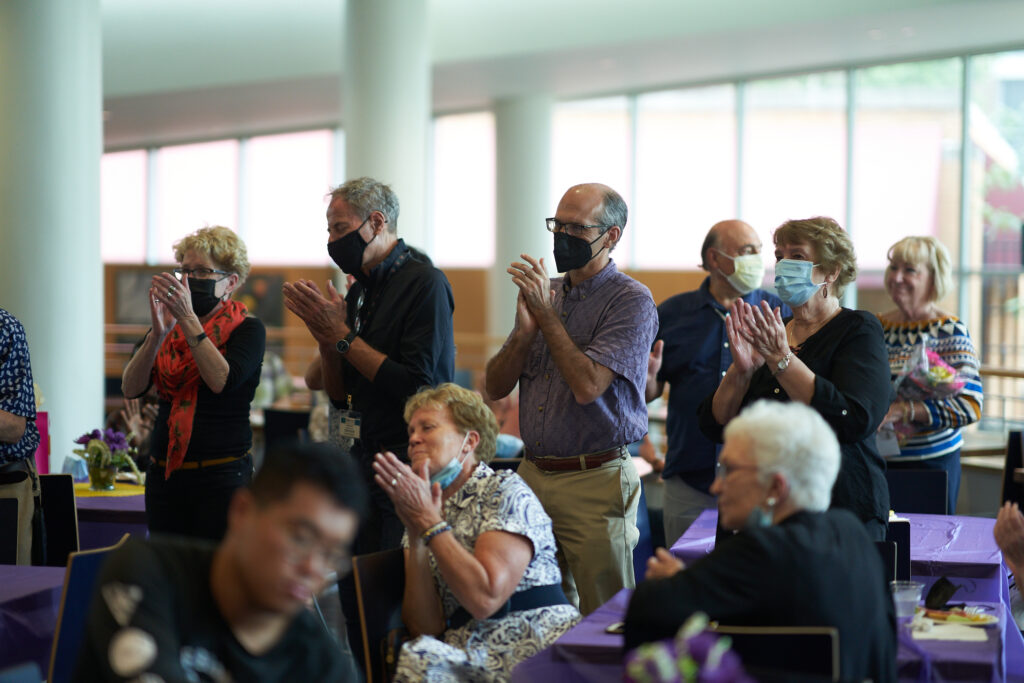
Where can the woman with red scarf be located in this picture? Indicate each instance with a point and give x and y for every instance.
(204, 355)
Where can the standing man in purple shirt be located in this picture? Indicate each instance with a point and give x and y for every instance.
(692, 354)
(579, 351)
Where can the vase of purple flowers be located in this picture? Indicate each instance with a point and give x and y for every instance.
(105, 452)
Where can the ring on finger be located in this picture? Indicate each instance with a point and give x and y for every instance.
(394, 481)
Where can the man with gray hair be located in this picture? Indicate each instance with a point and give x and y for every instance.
(388, 337)
(579, 352)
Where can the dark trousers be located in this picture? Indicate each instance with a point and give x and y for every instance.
(194, 502)
(381, 530)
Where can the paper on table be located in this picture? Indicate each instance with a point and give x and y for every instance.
(953, 632)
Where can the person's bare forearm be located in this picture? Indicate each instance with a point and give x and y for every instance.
(136, 375)
(729, 395)
(332, 365)
(504, 369)
(586, 378)
(12, 427)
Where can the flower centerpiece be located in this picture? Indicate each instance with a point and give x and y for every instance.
(105, 452)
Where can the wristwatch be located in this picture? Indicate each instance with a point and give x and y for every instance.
(345, 344)
(781, 366)
(193, 342)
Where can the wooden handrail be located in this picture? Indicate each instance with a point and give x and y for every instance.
(992, 371)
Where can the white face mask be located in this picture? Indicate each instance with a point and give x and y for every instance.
(748, 272)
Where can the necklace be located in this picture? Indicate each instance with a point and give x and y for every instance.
(811, 327)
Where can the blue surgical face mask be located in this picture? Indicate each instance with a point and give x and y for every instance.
(793, 281)
(450, 472)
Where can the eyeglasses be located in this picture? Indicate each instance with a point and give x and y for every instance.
(574, 229)
(723, 469)
(200, 273)
(303, 543)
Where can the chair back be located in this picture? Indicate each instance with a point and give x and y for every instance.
(786, 652)
(921, 491)
(887, 551)
(284, 425)
(60, 517)
(75, 602)
(1012, 490)
(8, 530)
(380, 584)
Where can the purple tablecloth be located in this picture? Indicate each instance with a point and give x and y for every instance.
(587, 653)
(102, 520)
(29, 603)
(961, 548)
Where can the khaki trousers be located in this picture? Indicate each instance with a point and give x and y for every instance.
(593, 515)
(19, 485)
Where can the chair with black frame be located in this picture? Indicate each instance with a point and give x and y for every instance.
(887, 551)
(60, 517)
(75, 601)
(922, 491)
(8, 530)
(284, 425)
(786, 653)
(380, 583)
(1013, 484)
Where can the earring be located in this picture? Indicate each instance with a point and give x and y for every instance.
(824, 291)
(770, 501)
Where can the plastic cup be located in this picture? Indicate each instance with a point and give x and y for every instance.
(906, 595)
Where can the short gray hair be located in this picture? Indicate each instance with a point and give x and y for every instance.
(366, 195)
(793, 440)
(613, 209)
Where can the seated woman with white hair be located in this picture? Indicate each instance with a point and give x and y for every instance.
(794, 562)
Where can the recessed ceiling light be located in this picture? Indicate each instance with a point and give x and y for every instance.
(876, 34)
(908, 31)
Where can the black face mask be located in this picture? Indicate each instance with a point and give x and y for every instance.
(203, 298)
(348, 251)
(572, 252)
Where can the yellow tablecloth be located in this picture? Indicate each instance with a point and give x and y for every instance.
(82, 490)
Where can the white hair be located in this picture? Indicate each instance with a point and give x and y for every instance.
(793, 440)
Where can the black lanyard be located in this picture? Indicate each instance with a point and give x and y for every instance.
(364, 309)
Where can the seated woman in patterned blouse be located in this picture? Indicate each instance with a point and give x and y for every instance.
(482, 586)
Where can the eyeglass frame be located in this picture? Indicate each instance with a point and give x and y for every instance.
(724, 469)
(300, 549)
(554, 225)
(189, 272)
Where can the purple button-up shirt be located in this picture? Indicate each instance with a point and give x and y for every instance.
(612, 318)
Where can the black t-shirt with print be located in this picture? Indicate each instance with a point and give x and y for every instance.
(153, 615)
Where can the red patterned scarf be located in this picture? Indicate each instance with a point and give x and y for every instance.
(177, 377)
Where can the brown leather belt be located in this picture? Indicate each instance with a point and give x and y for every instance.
(576, 463)
(200, 464)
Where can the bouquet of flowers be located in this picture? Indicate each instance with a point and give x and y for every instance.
(695, 655)
(107, 449)
(925, 376)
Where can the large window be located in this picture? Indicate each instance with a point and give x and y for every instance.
(685, 173)
(464, 190)
(906, 157)
(287, 178)
(592, 143)
(123, 207)
(794, 150)
(196, 185)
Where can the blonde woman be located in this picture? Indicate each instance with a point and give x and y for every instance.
(918, 277)
(203, 354)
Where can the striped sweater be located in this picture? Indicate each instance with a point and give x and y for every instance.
(949, 338)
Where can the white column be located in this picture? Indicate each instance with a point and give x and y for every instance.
(523, 176)
(51, 139)
(386, 103)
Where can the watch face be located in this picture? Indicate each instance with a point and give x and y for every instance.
(342, 346)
